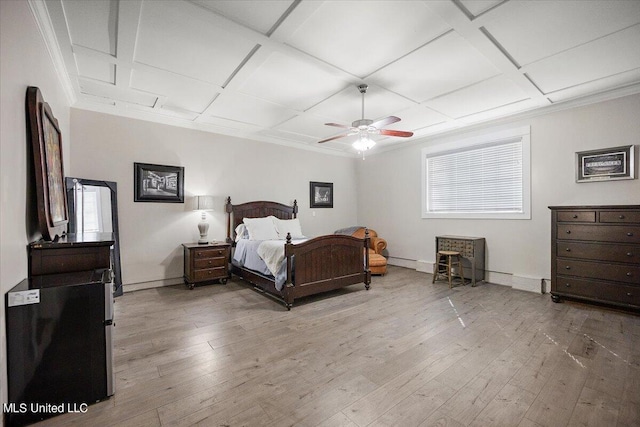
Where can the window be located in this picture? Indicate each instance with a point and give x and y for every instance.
(483, 177)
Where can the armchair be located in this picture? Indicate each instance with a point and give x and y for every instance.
(377, 262)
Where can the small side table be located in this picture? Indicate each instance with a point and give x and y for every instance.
(206, 263)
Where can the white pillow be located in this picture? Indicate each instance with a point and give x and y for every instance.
(241, 232)
(284, 226)
(261, 228)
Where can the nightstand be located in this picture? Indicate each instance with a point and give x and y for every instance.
(206, 263)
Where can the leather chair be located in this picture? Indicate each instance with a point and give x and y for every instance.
(377, 262)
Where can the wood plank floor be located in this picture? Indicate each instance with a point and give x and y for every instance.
(405, 353)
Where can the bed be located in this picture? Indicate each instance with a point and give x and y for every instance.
(310, 266)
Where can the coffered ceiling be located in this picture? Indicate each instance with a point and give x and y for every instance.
(276, 71)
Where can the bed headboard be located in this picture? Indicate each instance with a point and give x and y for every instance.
(235, 213)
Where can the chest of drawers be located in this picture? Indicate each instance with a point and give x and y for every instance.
(595, 254)
(205, 263)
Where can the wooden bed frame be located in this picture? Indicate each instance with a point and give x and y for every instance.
(321, 264)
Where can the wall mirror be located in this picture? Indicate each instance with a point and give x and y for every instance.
(93, 208)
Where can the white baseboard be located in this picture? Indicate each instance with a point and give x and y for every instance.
(401, 262)
(523, 283)
(131, 287)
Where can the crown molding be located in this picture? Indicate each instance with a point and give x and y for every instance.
(45, 26)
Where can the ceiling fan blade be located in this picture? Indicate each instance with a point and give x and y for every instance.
(390, 132)
(386, 121)
(338, 125)
(342, 135)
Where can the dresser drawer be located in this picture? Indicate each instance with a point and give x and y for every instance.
(200, 263)
(627, 273)
(596, 290)
(601, 252)
(210, 273)
(604, 233)
(209, 253)
(628, 217)
(576, 216)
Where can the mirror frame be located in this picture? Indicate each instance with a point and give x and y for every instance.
(113, 187)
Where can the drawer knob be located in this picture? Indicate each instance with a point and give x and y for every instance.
(567, 268)
(209, 262)
(568, 231)
(629, 254)
(630, 234)
(575, 216)
(621, 217)
(567, 285)
(568, 249)
(629, 274)
(629, 294)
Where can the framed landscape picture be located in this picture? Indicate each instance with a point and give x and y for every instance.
(158, 183)
(605, 164)
(321, 194)
(46, 144)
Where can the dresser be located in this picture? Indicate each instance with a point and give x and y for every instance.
(595, 254)
(206, 263)
(70, 254)
(472, 251)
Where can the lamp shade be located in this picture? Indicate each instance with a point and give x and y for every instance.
(203, 203)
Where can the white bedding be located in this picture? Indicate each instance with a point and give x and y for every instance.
(270, 254)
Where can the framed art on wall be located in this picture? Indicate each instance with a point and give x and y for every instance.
(321, 194)
(606, 164)
(46, 144)
(158, 183)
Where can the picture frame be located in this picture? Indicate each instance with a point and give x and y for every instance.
(158, 183)
(46, 146)
(607, 164)
(321, 194)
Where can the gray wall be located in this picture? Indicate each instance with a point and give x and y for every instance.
(518, 251)
(25, 62)
(106, 147)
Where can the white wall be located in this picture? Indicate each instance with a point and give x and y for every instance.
(151, 234)
(24, 62)
(389, 195)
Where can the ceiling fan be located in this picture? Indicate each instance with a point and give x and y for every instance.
(366, 127)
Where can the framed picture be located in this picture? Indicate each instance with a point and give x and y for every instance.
(321, 194)
(605, 164)
(46, 144)
(158, 183)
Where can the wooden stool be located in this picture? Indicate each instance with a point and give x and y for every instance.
(445, 260)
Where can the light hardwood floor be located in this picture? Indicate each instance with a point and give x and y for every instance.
(405, 353)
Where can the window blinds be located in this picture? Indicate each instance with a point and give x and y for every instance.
(480, 179)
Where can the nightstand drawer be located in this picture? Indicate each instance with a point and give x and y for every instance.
(209, 253)
(210, 273)
(209, 262)
(581, 216)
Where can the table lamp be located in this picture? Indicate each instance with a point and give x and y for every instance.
(204, 204)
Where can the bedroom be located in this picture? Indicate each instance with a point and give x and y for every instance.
(382, 191)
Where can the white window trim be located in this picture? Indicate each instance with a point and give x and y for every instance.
(523, 133)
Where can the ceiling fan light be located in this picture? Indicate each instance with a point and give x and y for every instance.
(363, 143)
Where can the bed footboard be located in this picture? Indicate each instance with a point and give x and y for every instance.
(325, 263)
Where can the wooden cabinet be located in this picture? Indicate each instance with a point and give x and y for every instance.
(206, 263)
(595, 254)
(71, 254)
(472, 251)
